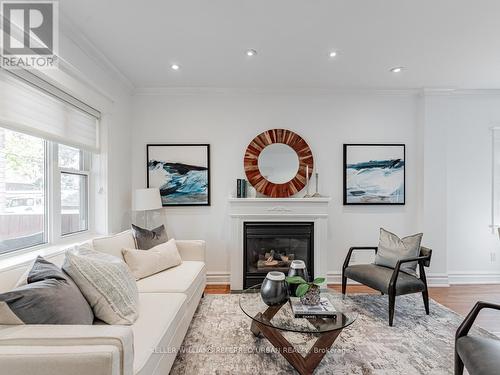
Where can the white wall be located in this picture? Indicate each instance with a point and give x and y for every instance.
(458, 180)
(85, 74)
(230, 120)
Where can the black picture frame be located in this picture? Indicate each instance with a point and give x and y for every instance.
(345, 161)
(206, 145)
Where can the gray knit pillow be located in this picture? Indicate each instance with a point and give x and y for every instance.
(106, 283)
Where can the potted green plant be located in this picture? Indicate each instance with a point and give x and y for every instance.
(308, 292)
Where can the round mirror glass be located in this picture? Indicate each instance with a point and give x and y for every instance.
(278, 163)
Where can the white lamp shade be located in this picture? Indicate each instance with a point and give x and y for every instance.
(147, 199)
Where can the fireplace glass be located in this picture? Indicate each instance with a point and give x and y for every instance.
(272, 246)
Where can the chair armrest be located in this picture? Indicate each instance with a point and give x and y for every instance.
(466, 325)
(349, 253)
(60, 360)
(395, 274)
(70, 336)
(191, 249)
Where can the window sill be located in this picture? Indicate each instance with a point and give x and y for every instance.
(9, 261)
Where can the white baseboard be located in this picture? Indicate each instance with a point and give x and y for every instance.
(457, 277)
(218, 278)
(433, 279)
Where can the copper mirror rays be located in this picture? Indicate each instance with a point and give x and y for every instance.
(261, 178)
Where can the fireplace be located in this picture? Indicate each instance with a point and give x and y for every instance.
(272, 246)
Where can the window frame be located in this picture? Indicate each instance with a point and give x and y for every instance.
(84, 170)
(52, 196)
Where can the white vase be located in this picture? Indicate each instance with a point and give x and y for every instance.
(251, 192)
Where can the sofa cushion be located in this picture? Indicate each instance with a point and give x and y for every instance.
(146, 239)
(378, 277)
(160, 316)
(480, 355)
(144, 263)
(114, 244)
(184, 278)
(391, 248)
(48, 296)
(106, 283)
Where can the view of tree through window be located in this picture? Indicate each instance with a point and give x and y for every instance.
(74, 191)
(22, 190)
(70, 158)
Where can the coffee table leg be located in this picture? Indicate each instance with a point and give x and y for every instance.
(307, 365)
(320, 348)
(268, 315)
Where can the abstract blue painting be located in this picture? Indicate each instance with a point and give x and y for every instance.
(374, 174)
(181, 172)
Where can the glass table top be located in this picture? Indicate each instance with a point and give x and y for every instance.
(282, 318)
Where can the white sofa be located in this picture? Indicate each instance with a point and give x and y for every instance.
(168, 301)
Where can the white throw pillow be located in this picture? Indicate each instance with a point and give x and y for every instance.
(391, 248)
(106, 283)
(145, 263)
(114, 244)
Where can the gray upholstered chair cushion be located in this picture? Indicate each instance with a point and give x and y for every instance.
(481, 356)
(378, 277)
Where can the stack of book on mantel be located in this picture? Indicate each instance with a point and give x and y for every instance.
(241, 188)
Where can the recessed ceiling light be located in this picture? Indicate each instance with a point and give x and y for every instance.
(251, 52)
(333, 53)
(175, 67)
(397, 69)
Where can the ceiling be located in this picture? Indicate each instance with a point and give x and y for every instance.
(442, 43)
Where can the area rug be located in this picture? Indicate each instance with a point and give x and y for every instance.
(219, 341)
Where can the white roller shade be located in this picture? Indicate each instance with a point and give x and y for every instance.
(31, 110)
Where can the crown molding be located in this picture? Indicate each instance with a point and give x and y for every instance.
(459, 92)
(147, 91)
(94, 53)
(165, 91)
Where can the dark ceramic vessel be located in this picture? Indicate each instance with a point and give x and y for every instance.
(297, 268)
(274, 289)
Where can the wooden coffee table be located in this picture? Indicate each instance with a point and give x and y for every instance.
(271, 322)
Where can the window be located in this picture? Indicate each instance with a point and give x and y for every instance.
(33, 198)
(23, 211)
(44, 183)
(73, 165)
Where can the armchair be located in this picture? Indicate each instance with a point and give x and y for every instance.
(392, 282)
(480, 355)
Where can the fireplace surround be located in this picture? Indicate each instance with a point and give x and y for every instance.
(272, 210)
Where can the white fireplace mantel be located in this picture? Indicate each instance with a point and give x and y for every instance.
(243, 210)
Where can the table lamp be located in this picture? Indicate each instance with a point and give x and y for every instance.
(147, 200)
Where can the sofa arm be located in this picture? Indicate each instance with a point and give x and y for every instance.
(60, 360)
(105, 341)
(191, 249)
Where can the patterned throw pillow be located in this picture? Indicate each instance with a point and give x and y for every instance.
(106, 283)
(391, 248)
(45, 295)
(145, 239)
(159, 258)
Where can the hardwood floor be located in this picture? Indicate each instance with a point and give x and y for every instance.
(217, 289)
(459, 298)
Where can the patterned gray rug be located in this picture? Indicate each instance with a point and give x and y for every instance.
(219, 341)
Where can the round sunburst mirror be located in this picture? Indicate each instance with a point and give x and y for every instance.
(276, 163)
